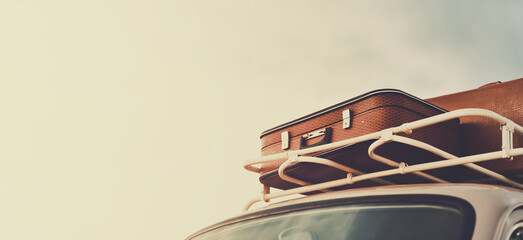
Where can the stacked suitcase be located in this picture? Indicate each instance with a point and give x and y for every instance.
(482, 135)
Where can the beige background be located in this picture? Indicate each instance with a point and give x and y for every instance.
(131, 119)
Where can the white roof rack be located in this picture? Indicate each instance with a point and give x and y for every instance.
(507, 151)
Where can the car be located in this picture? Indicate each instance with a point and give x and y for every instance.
(417, 211)
(474, 194)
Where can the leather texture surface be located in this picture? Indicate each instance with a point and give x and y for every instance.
(371, 113)
(481, 135)
(387, 101)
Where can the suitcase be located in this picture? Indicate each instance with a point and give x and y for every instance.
(368, 113)
(482, 135)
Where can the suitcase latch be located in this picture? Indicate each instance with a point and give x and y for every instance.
(346, 119)
(285, 140)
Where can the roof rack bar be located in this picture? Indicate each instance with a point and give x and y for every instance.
(391, 163)
(507, 132)
(405, 128)
(341, 167)
(287, 178)
(447, 155)
(281, 170)
(466, 112)
(401, 170)
(283, 156)
(463, 160)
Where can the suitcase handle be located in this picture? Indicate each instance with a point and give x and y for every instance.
(327, 136)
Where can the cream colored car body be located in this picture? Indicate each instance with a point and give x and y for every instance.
(498, 210)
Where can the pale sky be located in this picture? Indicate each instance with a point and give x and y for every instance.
(132, 119)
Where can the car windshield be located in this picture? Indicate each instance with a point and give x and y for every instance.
(358, 222)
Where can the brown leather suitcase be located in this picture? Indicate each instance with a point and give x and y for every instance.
(362, 115)
(482, 135)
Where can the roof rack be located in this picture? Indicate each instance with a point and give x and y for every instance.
(507, 151)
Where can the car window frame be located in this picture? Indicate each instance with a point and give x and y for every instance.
(512, 222)
(462, 205)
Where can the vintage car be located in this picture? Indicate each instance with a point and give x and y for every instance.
(387, 165)
(422, 211)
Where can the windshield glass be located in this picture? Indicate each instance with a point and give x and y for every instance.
(361, 222)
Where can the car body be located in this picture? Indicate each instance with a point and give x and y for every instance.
(492, 212)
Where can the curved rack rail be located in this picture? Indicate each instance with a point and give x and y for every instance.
(507, 151)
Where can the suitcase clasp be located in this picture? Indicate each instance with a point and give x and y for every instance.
(346, 118)
(285, 140)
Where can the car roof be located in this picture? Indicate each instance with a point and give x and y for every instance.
(490, 202)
